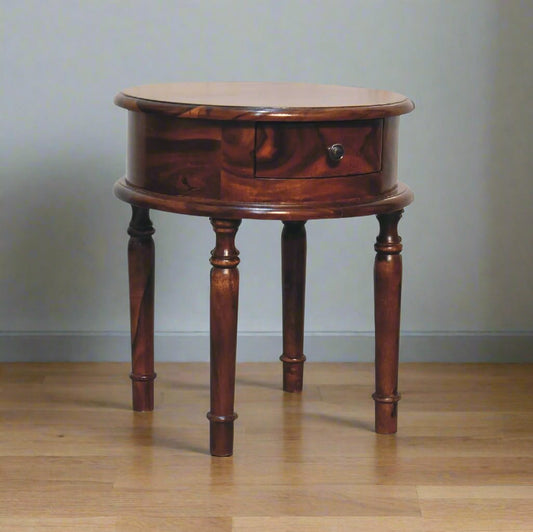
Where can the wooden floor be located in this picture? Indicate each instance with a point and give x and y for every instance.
(74, 457)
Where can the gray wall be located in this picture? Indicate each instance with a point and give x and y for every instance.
(466, 152)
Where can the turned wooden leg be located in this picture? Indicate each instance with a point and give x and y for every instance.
(293, 258)
(223, 319)
(141, 279)
(387, 298)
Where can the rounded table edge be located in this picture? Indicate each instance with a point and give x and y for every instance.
(401, 197)
(260, 114)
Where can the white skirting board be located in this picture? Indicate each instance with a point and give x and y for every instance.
(266, 347)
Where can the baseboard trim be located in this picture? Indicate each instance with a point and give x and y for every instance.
(463, 347)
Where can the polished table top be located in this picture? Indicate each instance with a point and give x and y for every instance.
(265, 101)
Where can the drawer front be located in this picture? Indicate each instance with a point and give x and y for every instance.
(325, 149)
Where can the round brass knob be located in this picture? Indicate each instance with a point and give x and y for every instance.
(336, 152)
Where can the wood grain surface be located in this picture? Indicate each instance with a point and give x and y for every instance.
(284, 167)
(301, 150)
(73, 456)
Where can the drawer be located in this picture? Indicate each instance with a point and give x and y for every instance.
(323, 149)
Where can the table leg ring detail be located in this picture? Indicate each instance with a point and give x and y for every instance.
(386, 398)
(222, 419)
(293, 360)
(143, 378)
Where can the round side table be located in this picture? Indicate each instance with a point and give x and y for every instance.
(277, 151)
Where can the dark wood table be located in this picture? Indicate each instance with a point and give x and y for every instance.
(277, 151)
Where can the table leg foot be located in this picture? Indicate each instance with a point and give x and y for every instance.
(224, 300)
(221, 434)
(143, 392)
(293, 373)
(386, 409)
(293, 262)
(141, 256)
(387, 303)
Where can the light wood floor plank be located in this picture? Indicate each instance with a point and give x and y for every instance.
(231, 499)
(55, 498)
(133, 523)
(381, 524)
(58, 524)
